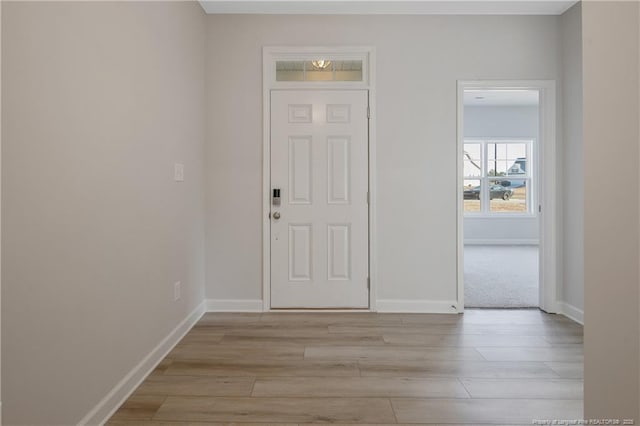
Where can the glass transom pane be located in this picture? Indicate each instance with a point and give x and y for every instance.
(319, 70)
(290, 71)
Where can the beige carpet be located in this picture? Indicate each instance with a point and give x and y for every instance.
(500, 276)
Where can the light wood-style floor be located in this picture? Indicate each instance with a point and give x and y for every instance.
(483, 367)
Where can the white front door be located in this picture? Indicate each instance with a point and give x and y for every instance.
(320, 229)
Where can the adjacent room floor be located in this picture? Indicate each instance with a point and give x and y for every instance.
(485, 366)
(500, 276)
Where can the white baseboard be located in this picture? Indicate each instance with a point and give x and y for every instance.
(501, 242)
(417, 306)
(234, 305)
(112, 401)
(388, 305)
(571, 312)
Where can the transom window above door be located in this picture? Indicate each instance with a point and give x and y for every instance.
(498, 177)
(347, 67)
(319, 70)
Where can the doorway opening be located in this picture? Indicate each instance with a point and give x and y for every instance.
(502, 136)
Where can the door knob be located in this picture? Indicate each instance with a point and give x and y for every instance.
(276, 215)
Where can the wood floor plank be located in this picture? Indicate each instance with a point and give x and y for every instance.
(405, 353)
(287, 410)
(374, 330)
(358, 387)
(281, 332)
(196, 386)
(478, 411)
(567, 370)
(431, 319)
(202, 336)
(468, 340)
(139, 407)
(162, 366)
(482, 329)
(316, 340)
(476, 369)
(261, 368)
(250, 346)
(328, 318)
(513, 317)
(179, 423)
(518, 388)
(220, 352)
(391, 424)
(402, 424)
(564, 339)
(572, 353)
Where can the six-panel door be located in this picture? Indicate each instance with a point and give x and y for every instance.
(319, 162)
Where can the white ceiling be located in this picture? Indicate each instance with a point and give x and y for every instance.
(389, 7)
(500, 97)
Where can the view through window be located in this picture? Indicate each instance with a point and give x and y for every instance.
(497, 176)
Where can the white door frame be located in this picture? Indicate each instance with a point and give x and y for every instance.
(547, 174)
(269, 57)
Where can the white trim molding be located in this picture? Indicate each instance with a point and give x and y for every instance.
(129, 383)
(547, 195)
(501, 242)
(234, 305)
(270, 54)
(387, 7)
(571, 312)
(419, 306)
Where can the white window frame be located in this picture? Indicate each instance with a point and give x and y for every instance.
(484, 179)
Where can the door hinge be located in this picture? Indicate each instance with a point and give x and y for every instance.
(368, 197)
(368, 112)
(539, 208)
(368, 283)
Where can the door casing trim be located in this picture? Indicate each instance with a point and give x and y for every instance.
(270, 54)
(547, 194)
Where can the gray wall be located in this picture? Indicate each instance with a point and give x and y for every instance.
(419, 59)
(100, 100)
(501, 122)
(572, 157)
(611, 252)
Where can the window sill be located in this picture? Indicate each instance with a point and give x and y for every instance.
(500, 216)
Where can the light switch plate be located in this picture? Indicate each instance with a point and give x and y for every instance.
(178, 172)
(177, 291)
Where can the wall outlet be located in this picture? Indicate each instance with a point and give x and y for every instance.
(177, 290)
(178, 172)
